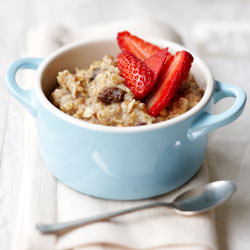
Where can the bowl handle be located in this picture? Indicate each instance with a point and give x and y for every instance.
(206, 122)
(25, 97)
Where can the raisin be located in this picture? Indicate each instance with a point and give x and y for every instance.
(111, 95)
(140, 124)
(96, 72)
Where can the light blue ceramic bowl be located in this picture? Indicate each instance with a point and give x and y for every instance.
(115, 162)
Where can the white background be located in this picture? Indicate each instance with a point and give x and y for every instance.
(224, 46)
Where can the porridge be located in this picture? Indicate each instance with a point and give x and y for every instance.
(99, 95)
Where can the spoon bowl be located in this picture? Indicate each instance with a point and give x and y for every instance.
(204, 198)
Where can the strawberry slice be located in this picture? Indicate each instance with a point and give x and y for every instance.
(156, 61)
(176, 71)
(136, 45)
(139, 77)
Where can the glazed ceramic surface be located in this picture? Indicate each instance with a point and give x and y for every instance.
(116, 162)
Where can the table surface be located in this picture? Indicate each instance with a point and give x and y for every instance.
(229, 63)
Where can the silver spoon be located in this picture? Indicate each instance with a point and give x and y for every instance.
(193, 201)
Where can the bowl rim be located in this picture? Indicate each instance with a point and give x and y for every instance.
(117, 129)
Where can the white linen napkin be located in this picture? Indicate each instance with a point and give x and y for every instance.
(45, 200)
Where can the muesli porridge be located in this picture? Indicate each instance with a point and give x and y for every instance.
(99, 95)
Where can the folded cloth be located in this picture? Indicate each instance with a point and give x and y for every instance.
(44, 199)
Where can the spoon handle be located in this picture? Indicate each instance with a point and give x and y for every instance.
(59, 227)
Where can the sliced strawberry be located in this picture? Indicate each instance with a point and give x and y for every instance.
(139, 77)
(156, 61)
(169, 57)
(136, 45)
(176, 71)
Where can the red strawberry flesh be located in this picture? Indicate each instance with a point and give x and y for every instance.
(139, 77)
(176, 71)
(156, 62)
(136, 45)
